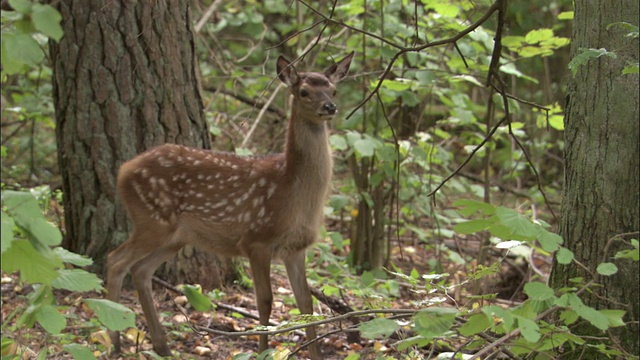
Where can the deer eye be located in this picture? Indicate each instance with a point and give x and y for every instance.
(335, 92)
(304, 93)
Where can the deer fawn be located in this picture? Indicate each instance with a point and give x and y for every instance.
(257, 207)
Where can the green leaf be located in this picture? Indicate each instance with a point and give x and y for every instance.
(513, 42)
(564, 256)
(566, 15)
(613, 316)
(397, 85)
(468, 78)
(475, 324)
(590, 314)
(34, 267)
(79, 352)
(631, 69)
(46, 19)
(77, 280)
(338, 142)
(504, 315)
(517, 223)
(50, 319)
(378, 328)
(19, 50)
(539, 291)
(529, 329)
(72, 258)
(26, 213)
(629, 253)
(472, 226)
(6, 231)
(471, 206)
(538, 35)
(607, 269)
(433, 322)
(367, 279)
(414, 341)
(21, 6)
(569, 316)
(196, 298)
(548, 241)
(113, 315)
(584, 55)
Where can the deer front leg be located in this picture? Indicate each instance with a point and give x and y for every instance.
(260, 263)
(295, 264)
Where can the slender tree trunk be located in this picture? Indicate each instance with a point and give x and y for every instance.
(601, 166)
(125, 79)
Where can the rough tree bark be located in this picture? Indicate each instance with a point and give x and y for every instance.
(125, 79)
(601, 165)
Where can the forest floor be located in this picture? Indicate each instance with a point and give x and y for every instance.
(189, 343)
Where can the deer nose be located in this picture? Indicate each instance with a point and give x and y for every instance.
(330, 108)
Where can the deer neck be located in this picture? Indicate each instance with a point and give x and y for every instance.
(308, 158)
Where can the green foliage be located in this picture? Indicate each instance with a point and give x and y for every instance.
(31, 24)
(30, 246)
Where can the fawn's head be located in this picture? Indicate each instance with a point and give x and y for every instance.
(314, 93)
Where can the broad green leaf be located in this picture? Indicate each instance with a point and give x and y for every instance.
(77, 280)
(566, 15)
(590, 314)
(539, 291)
(23, 208)
(46, 19)
(504, 315)
(445, 9)
(472, 226)
(366, 279)
(614, 316)
(397, 85)
(471, 206)
(584, 55)
(607, 269)
(365, 147)
(564, 256)
(513, 42)
(568, 316)
(34, 267)
(629, 253)
(72, 258)
(378, 328)
(21, 6)
(529, 329)
(50, 319)
(548, 241)
(538, 35)
(468, 78)
(475, 324)
(338, 142)
(196, 298)
(6, 231)
(79, 352)
(433, 322)
(19, 50)
(417, 341)
(631, 69)
(518, 224)
(113, 315)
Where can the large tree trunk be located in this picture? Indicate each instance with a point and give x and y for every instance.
(125, 79)
(601, 164)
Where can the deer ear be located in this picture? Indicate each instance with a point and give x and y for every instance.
(339, 70)
(287, 72)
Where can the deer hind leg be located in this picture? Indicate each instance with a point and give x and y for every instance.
(260, 263)
(119, 262)
(142, 253)
(296, 271)
(141, 274)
